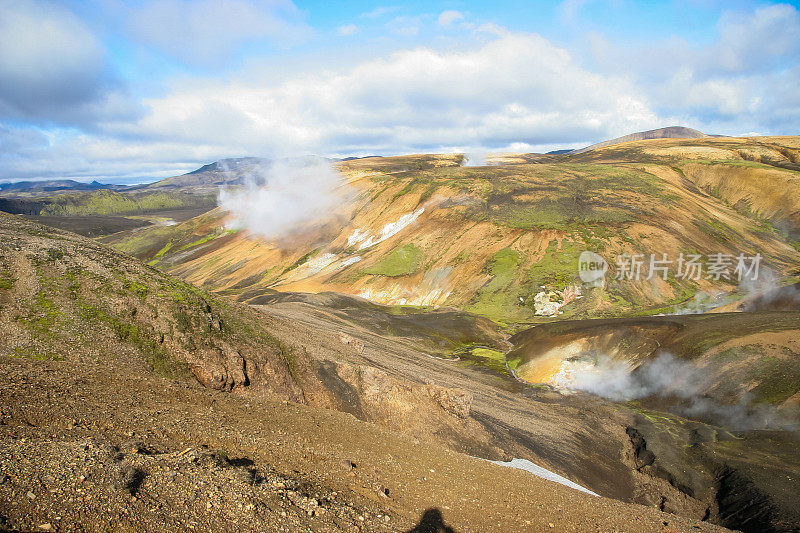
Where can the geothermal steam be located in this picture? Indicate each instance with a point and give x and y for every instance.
(474, 159)
(669, 377)
(284, 196)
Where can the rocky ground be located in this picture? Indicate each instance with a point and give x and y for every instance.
(91, 447)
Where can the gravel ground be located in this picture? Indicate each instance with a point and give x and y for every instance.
(94, 447)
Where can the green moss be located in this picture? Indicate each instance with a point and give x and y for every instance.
(42, 316)
(402, 261)
(300, 261)
(718, 230)
(6, 279)
(565, 196)
(405, 190)
(54, 254)
(29, 352)
(160, 253)
(558, 268)
(139, 289)
(108, 203)
(734, 163)
(543, 215)
(476, 355)
(503, 266)
(160, 361)
(493, 359)
(778, 378)
(404, 310)
(497, 300)
(176, 296)
(198, 242)
(147, 240)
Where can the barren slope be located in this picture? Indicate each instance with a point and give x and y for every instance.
(98, 350)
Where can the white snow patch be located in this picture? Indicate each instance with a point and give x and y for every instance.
(357, 236)
(323, 262)
(536, 470)
(318, 263)
(365, 240)
(402, 296)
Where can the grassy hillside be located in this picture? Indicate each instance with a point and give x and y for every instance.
(122, 203)
(503, 241)
(68, 298)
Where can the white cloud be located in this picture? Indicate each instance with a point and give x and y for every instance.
(493, 89)
(753, 42)
(408, 31)
(569, 9)
(447, 18)
(740, 81)
(514, 88)
(509, 90)
(284, 195)
(208, 33)
(28, 152)
(379, 12)
(405, 26)
(347, 29)
(52, 68)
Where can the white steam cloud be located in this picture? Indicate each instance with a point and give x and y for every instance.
(281, 197)
(669, 377)
(769, 293)
(474, 159)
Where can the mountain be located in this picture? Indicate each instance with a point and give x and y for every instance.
(173, 401)
(671, 132)
(518, 227)
(210, 177)
(442, 304)
(45, 187)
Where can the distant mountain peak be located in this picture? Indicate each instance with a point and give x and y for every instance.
(53, 185)
(670, 132)
(228, 164)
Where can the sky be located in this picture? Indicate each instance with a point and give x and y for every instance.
(130, 91)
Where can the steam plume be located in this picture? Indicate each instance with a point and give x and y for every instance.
(474, 159)
(281, 197)
(669, 377)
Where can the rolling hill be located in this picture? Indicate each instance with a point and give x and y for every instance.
(503, 241)
(670, 132)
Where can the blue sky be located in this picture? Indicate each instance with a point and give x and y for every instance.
(128, 90)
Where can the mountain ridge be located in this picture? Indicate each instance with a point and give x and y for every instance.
(669, 132)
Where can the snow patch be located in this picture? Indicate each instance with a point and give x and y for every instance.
(433, 290)
(365, 240)
(325, 261)
(319, 262)
(401, 296)
(536, 470)
(349, 261)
